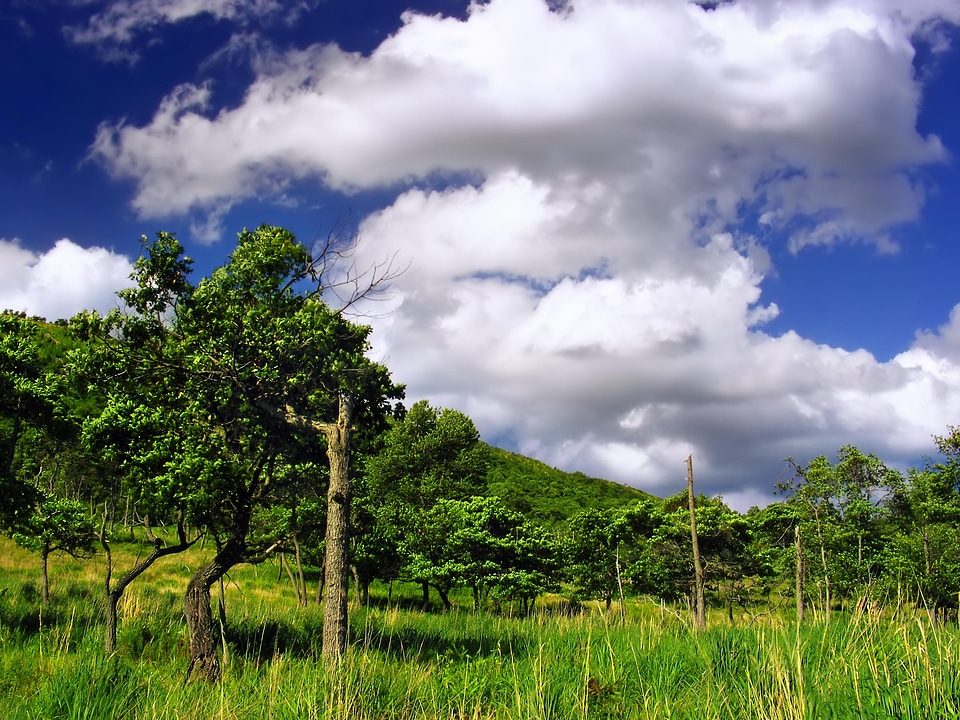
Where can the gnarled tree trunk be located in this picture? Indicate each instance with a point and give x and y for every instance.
(113, 594)
(204, 662)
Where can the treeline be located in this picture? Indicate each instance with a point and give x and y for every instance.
(243, 412)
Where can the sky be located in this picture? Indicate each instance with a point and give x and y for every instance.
(630, 230)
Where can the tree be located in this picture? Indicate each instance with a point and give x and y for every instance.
(427, 456)
(925, 552)
(593, 546)
(55, 525)
(840, 516)
(134, 442)
(30, 393)
(38, 431)
(699, 598)
(261, 366)
(480, 544)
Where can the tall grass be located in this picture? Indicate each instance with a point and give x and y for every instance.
(406, 664)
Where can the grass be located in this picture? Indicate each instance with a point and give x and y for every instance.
(404, 664)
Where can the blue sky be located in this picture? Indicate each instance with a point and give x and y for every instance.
(635, 229)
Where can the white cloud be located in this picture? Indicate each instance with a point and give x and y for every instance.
(114, 29)
(808, 108)
(624, 375)
(583, 294)
(62, 281)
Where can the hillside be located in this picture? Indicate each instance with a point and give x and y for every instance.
(547, 495)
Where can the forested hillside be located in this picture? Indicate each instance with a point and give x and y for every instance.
(547, 495)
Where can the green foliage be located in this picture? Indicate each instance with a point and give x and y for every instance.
(480, 544)
(549, 496)
(842, 521)
(214, 389)
(57, 525)
(426, 457)
(32, 410)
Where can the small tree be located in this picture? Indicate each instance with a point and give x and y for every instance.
(55, 525)
(427, 456)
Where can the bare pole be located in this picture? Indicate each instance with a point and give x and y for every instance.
(699, 599)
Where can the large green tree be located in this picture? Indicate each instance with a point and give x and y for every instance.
(258, 367)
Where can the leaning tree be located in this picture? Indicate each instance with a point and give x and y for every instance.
(258, 365)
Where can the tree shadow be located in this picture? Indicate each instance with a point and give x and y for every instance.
(421, 645)
(261, 642)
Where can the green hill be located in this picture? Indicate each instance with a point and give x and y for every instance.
(547, 495)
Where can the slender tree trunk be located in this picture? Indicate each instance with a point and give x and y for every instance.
(303, 580)
(45, 576)
(932, 610)
(112, 595)
(128, 519)
(339, 495)
(204, 662)
(827, 600)
(110, 632)
(799, 572)
(149, 528)
(700, 600)
(425, 589)
(321, 584)
(285, 564)
(623, 602)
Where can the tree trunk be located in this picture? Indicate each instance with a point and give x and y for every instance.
(799, 573)
(321, 583)
(204, 662)
(444, 598)
(336, 565)
(303, 580)
(44, 576)
(932, 612)
(425, 588)
(285, 565)
(112, 595)
(700, 600)
(110, 632)
(361, 586)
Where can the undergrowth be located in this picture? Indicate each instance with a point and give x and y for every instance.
(405, 664)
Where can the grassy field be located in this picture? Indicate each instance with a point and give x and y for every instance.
(406, 664)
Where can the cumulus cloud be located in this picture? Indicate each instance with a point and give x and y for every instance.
(806, 109)
(62, 281)
(580, 285)
(624, 375)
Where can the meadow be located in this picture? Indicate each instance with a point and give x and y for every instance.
(644, 663)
